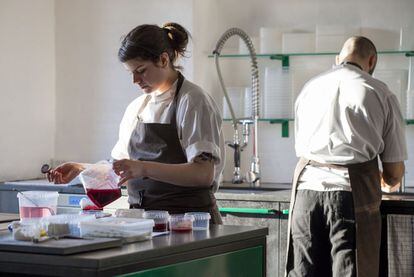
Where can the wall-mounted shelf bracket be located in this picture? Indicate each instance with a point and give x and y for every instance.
(283, 58)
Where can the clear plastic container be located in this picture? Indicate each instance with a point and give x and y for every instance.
(117, 227)
(28, 230)
(181, 223)
(201, 220)
(130, 213)
(161, 219)
(37, 204)
(65, 224)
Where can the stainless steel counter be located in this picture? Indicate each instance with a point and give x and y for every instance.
(158, 252)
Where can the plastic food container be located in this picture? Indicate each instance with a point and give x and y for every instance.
(28, 230)
(130, 213)
(201, 220)
(65, 224)
(161, 219)
(181, 223)
(117, 227)
(37, 204)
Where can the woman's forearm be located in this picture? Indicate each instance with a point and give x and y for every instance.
(193, 174)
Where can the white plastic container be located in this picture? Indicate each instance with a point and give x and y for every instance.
(330, 38)
(65, 224)
(410, 91)
(161, 219)
(298, 42)
(130, 213)
(201, 220)
(382, 38)
(117, 227)
(181, 223)
(396, 80)
(277, 96)
(237, 99)
(248, 102)
(270, 40)
(406, 38)
(37, 204)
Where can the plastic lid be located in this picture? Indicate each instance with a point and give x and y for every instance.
(181, 217)
(156, 214)
(120, 223)
(131, 213)
(199, 215)
(37, 194)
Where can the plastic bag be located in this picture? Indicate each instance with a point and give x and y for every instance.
(100, 183)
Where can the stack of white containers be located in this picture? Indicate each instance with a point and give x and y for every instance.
(270, 40)
(277, 96)
(298, 42)
(396, 80)
(330, 38)
(240, 98)
(410, 91)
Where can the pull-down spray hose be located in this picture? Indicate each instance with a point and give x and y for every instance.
(254, 175)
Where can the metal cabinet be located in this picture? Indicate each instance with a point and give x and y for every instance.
(264, 214)
(283, 226)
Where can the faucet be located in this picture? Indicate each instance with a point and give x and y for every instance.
(238, 148)
(253, 176)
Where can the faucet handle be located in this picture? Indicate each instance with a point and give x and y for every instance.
(231, 144)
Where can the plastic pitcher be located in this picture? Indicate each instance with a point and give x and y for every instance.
(37, 204)
(101, 184)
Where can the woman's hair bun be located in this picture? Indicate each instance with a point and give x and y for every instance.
(178, 35)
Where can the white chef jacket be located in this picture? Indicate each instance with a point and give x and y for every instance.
(346, 116)
(198, 123)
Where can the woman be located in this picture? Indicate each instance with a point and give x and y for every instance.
(170, 150)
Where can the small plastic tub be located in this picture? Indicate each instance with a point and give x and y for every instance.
(181, 223)
(201, 220)
(161, 219)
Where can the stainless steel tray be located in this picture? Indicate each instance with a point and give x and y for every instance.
(57, 247)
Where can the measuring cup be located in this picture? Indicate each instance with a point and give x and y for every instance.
(37, 204)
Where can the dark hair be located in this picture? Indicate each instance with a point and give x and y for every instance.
(148, 42)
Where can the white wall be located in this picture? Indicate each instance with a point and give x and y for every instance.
(27, 69)
(92, 87)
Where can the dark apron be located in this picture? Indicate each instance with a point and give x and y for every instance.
(160, 143)
(366, 193)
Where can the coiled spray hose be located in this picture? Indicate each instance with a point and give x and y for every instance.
(254, 173)
(254, 70)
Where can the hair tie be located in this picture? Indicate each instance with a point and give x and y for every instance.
(168, 29)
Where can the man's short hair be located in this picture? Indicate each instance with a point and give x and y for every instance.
(363, 47)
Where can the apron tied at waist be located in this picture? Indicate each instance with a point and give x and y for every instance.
(366, 193)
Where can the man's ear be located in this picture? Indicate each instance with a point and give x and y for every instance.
(337, 59)
(372, 62)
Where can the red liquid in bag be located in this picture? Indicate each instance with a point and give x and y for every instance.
(102, 197)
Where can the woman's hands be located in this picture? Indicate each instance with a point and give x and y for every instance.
(129, 169)
(64, 173)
